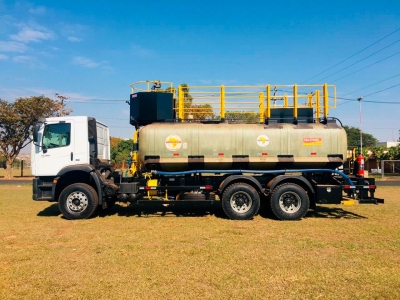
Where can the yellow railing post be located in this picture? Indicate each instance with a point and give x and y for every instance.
(310, 96)
(285, 100)
(268, 115)
(181, 99)
(261, 110)
(295, 101)
(317, 112)
(326, 99)
(222, 102)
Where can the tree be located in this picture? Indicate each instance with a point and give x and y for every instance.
(16, 121)
(243, 117)
(62, 110)
(120, 149)
(353, 137)
(379, 154)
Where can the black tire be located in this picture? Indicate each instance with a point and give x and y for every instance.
(78, 201)
(240, 201)
(289, 202)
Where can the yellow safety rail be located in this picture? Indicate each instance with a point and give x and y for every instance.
(251, 104)
(245, 104)
(146, 86)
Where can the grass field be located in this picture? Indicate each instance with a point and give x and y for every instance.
(16, 172)
(338, 252)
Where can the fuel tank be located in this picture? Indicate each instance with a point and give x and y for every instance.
(196, 146)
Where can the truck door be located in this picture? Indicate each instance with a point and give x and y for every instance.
(57, 149)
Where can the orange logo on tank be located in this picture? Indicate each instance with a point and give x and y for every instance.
(173, 142)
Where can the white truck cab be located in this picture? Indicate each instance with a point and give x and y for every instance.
(70, 159)
(65, 141)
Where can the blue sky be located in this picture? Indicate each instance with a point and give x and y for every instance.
(91, 51)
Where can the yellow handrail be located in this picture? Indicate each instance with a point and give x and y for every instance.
(246, 103)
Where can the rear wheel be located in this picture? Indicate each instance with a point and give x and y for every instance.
(78, 201)
(289, 202)
(240, 201)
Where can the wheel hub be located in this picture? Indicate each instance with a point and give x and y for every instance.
(77, 202)
(241, 202)
(290, 202)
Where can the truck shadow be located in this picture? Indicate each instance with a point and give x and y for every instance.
(162, 211)
(51, 211)
(319, 212)
(335, 213)
(198, 211)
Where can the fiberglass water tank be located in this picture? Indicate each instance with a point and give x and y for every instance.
(196, 146)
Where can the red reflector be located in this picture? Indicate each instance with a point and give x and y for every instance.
(208, 187)
(313, 153)
(176, 154)
(346, 187)
(147, 188)
(264, 154)
(220, 154)
(372, 187)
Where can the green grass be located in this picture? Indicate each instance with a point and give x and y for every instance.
(338, 252)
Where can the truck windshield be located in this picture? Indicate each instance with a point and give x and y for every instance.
(56, 135)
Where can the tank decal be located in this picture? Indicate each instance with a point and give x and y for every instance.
(173, 142)
(262, 140)
(312, 141)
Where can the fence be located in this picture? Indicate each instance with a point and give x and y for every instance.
(390, 167)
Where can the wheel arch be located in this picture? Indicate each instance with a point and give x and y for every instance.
(77, 174)
(299, 180)
(240, 179)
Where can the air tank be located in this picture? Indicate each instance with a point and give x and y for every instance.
(196, 146)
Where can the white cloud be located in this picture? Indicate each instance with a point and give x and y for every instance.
(143, 52)
(11, 46)
(30, 34)
(86, 62)
(3, 57)
(38, 10)
(23, 59)
(73, 32)
(74, 39)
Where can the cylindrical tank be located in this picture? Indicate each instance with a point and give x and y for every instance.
(196, 146)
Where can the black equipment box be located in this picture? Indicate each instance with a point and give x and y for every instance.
(329, 194)
(151, 107)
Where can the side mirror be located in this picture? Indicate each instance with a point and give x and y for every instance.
(36, 133)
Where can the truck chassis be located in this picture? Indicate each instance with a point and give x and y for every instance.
(289, 194)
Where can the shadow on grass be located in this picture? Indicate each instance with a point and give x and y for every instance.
(51, 211)
(202, 210)
(162, 211)
(330, 212)
(319, 212)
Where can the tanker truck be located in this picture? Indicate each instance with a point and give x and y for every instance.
(237, 147)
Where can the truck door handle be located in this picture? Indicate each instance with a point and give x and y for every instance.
(72, 156)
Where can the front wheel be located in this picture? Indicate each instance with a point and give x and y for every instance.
(78, 201)
(240, 201)
(289, 202)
